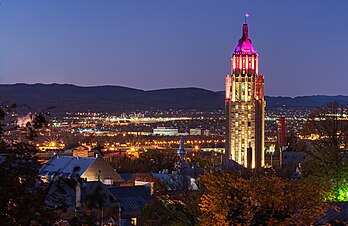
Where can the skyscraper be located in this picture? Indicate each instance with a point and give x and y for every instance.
(245, 106)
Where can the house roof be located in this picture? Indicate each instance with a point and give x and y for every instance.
(66, 165)
(132, 198)
(176, 182)
(67, 190)
(91, 169)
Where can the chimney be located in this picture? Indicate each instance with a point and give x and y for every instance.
(78, 195)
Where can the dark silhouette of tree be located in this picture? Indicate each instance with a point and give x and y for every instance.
(328, 162)
(22, 193)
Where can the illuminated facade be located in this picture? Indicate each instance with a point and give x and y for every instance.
(245, 106)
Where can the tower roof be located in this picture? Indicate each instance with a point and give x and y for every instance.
(245, 44)
(181, 151)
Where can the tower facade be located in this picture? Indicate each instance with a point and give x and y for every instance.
(245, 106)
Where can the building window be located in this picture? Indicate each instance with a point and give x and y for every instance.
(236, 140)
(236, 123)
(236, 115)
(134, 221)
(107, 182)
(237, 107)
(237, 131)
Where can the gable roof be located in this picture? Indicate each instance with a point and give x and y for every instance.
(66, 165)
(100, 168)
(91, 169)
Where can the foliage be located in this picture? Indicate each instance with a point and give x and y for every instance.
(156, 213)
(182, 211)
(179, 207)
(328, 162)
(261, 200)
(22, 194)
(21, 190)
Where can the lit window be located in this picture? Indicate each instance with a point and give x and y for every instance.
(236, 123)
(134, 221)
(237, 131)
(236, 115)
(237, 106)
(236, 140)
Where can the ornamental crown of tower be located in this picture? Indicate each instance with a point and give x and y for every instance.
(245, 44)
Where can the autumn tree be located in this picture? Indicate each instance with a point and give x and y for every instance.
(229, 199)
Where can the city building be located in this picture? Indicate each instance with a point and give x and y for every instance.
(245, 106)
(195, 132)
(164, 131)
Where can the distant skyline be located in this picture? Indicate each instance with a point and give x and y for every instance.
(170, 44)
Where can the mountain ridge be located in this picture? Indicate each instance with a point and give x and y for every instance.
(114, 99)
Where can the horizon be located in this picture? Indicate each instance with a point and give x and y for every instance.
(156, 45)
(169, 88)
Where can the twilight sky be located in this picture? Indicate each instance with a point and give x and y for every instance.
(156, 44)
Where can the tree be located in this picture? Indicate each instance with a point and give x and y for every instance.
(169, 207)
(156, 213)
(22, 193)
(229, 199)
(328, 162)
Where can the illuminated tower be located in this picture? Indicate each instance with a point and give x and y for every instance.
(245, 106)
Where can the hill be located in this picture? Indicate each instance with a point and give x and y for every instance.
(60, 98)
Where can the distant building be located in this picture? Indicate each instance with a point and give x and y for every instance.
(77, 150)
(164, 131)
(245, 106)
(82, 151)
(90, 169)
(195, 132)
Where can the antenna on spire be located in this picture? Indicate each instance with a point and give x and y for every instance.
(246, 15)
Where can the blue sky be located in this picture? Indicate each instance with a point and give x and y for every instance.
(156, 44)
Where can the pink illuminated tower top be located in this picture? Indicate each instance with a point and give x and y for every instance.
(245, 44)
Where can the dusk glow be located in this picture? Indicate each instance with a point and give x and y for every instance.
(156, 44)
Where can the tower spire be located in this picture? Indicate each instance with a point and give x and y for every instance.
(244, 44)
(246, 15)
